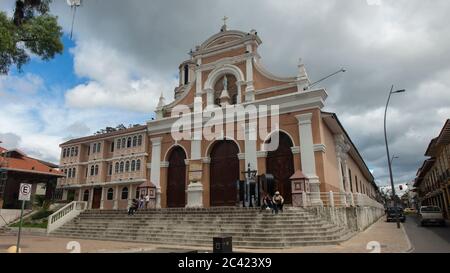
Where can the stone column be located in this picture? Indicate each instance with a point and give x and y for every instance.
(307, 156)
(342, 148)
(239, 91)
(156, 168)
(102, 199)
(116, 198)
(250, 89)
(198, 79)
(250, 147)
(209, 96)
(130, 195)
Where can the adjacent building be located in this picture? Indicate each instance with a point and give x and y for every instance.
(432, 182)
(15, 168)
(205, 168)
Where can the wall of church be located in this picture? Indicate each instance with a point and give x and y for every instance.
(330, 161)
(227, 54)
(260, 96)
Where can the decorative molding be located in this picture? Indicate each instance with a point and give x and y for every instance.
(275, 88)
(156, 141)
(320, 148)
(260, 154)
(206, 160)
(241, 156)
(164, 164)
(304, 119)
(295, 150)
(186, 162)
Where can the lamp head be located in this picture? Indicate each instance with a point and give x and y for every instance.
(399, 91)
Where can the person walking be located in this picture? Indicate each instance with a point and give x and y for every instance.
(147, 200)
(278, 202)
(141, 201)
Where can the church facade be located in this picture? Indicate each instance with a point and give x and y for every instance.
(195, 152)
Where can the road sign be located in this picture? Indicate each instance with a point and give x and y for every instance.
(25, 192)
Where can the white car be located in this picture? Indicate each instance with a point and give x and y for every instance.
(431, 215)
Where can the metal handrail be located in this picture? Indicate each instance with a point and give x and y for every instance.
(3, 219)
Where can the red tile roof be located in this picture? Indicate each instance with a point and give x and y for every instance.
(19, 162)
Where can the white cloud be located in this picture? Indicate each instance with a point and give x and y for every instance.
(114, 82)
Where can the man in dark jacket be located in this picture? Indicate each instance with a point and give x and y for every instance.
(134, 206)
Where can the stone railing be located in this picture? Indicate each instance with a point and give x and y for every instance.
(339, 199)
(354, 211)
(65, 214)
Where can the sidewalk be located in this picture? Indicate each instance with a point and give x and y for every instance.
(391, 240)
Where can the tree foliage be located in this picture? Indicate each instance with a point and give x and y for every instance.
(31, 30)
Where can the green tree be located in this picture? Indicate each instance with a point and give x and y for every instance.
(31, 30)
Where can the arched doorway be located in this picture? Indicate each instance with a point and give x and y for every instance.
(224, 173)
(176, 179)
(280, 163)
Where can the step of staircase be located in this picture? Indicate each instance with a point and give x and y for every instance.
(249, 227)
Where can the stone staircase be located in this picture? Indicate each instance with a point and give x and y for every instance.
(249, 227)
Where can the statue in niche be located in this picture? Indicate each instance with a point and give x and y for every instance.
(225, 83)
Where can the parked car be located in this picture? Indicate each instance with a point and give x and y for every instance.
(431, 215)
(410, 211)
(392, 212)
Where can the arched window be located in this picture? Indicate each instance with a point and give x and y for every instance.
(70, 173)
(186, 74)
(127, 166)
(133, 165)
(112, 147)
(118, 144)
(117, 167)
(134, 141)
(125, 193)
(123, 143)
(76, 151)
(72, 151)
(64, 153)
(92, 170)
(86, 195)
(94, 148)
(110, 169)
(110, 194)
(129, 142)
(96, 169)
(121, 166)
(73, 172)
(139, 140)
(65, 172)
(138, 165)
(89, 150)
(98, 147)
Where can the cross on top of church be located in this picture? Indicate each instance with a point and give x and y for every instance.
(224, 27)
(225, 20)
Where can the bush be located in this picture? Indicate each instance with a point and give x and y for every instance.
(41, 214)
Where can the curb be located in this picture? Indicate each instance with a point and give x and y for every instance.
(410, 247)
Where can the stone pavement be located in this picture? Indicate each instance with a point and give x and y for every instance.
(385, 238)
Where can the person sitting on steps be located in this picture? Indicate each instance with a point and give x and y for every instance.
(278, 202)
(267, 202)
(134, 207)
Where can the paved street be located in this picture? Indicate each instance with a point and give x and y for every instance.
(388, 238)
(428, 239)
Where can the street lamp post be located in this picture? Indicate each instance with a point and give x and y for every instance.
(387, 151)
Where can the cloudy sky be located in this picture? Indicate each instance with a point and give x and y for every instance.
(125, 53)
